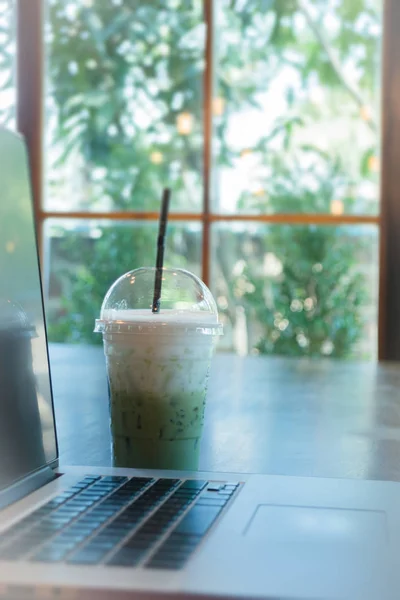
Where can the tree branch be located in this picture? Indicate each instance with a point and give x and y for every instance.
(319, 34)
(224, 271)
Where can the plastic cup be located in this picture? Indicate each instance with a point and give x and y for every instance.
(158, 367)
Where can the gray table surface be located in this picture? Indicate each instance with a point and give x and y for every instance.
(264, 414)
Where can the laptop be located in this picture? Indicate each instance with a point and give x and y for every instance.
(124, 533)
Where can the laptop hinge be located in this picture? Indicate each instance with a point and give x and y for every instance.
(26, 486)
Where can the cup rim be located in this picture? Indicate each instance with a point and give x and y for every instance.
(160, 328)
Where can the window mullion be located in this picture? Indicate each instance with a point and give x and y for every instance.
(207, 153)
(30, 67)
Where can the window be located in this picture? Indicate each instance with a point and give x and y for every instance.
(296, 135)
(7, 66)
(263, 117)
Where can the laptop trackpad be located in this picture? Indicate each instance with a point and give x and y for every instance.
(311, 525)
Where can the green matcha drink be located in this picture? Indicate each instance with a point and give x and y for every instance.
(158, 368)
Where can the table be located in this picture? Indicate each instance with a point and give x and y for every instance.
(264, 414)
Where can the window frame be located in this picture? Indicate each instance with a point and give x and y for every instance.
(30, 94)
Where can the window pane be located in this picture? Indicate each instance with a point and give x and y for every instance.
(84, 258)
(124, 104)
(7, 63)
(297, 290)
(296, 109)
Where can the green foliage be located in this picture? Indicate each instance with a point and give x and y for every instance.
(300, 284)
(118, 250)
(7, 56)
(121, 73)
(313, 307)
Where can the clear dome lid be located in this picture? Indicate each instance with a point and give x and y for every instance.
(186, 304)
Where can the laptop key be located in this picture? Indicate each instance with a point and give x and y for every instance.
(140, 544)
(102, 544)
(114, 479)
(103, 512)
(101, 490)
(91, 558)
(56, 517)
(74, 539)
(78, 534)
(198, 520)
(50, 555)
(78, 507)
(62, 545)
(166, 563)
(87, 557)
(168, 482)
(178, 540)
(67, 510)
(92, 524)
(94, 496)
(54, 503)
(174, 552)
(180, 554)
(114, 540)
(126, 557)
(45, 529)
(193, 484)
(214, 487)
(78, 487)
(67, 495)
(211, 502)
(186, 493)
(84, 504)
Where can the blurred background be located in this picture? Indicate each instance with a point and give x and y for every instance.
(262, 116)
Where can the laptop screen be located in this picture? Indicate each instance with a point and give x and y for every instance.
(27, 431)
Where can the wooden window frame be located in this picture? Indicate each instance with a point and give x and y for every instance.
(30, 68)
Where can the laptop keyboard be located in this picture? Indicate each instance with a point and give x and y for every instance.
(120, 521)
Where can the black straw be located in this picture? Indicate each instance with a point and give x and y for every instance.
(162, 229)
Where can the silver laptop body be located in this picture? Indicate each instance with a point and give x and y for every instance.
(119, 533)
